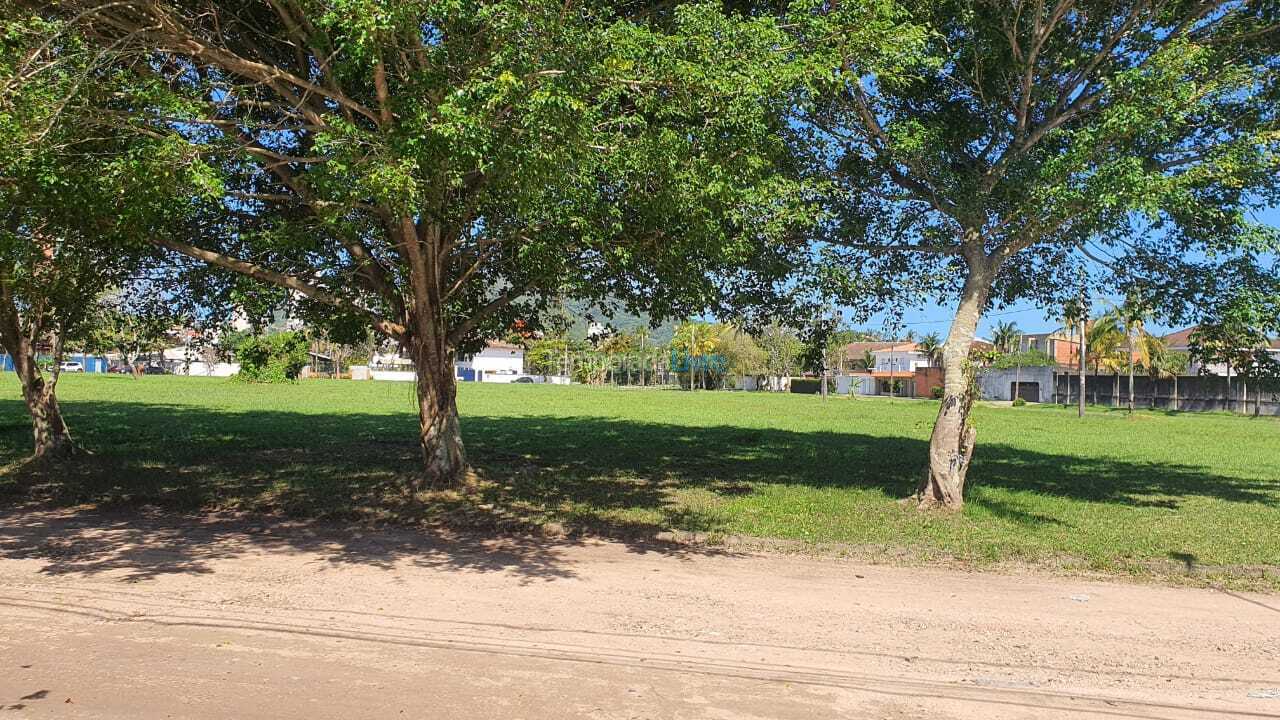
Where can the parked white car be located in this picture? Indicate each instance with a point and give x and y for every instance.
(68, 366)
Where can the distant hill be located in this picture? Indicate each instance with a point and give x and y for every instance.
(620, 321)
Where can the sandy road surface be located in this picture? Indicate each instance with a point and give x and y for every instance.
(115, 616)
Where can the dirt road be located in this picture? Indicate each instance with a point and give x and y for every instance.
(107, 616)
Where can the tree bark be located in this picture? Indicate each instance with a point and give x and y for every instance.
(444, 461)
(951, 444)
(52, 437)
(49, 429)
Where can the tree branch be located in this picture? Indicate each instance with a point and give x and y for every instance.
(504, 299)
(289, 282)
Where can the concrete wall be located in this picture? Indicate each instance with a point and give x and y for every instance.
(204, 369)
(767, 384)
(996, 384)
(393, 375)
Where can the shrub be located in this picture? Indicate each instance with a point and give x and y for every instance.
(1026, 358)
(1019, 402)
(272, 358)
(811, 386)
(936, 392)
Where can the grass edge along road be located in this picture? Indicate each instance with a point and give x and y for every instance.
(1171, 495)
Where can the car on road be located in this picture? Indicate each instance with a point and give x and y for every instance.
(155, 370)
(69, 366)
(524, 379)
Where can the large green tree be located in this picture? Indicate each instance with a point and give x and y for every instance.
(65, 235)
(442, 169)
(1033, 136)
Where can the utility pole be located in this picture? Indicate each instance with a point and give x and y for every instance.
(823, 380)
(1084, 341)
(893, 370)
(1017, 374)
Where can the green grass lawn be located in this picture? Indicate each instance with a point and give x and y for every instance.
(1141, 494)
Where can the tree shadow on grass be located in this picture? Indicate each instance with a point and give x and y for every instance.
(724, 458)
(140, 545)
(309, 483)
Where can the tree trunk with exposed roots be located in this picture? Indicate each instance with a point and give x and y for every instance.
(951, 444)
(19, 337)
(52, 437)
(444, 461)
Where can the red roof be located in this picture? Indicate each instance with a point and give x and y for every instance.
(855, 350)
(900, 347)
(503, 345)
(1181, 338)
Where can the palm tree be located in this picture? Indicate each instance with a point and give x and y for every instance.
(1131, 317)
(931, 347)
(1103, 337)
(1005, 336)
(1155, 358)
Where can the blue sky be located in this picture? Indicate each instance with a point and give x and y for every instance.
(1028, 317)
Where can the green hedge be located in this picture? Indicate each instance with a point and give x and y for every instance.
(811, 386)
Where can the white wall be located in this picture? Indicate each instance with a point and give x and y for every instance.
(203, 369)
(996, 384)
(899, 361)
(395, 375)
(855, 385)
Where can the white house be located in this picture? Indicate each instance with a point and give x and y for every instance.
(903, 357)
(1181, 341)
(497, 362)
(895, 364)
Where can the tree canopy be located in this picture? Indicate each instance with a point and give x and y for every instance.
(77, 200)
(1031, 139)
(441, 170)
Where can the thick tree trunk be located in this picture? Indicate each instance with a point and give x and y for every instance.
(49, 429)
(951, 444)
(444, 462)
(52, 437)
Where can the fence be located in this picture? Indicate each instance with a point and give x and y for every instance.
(1195, 393)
